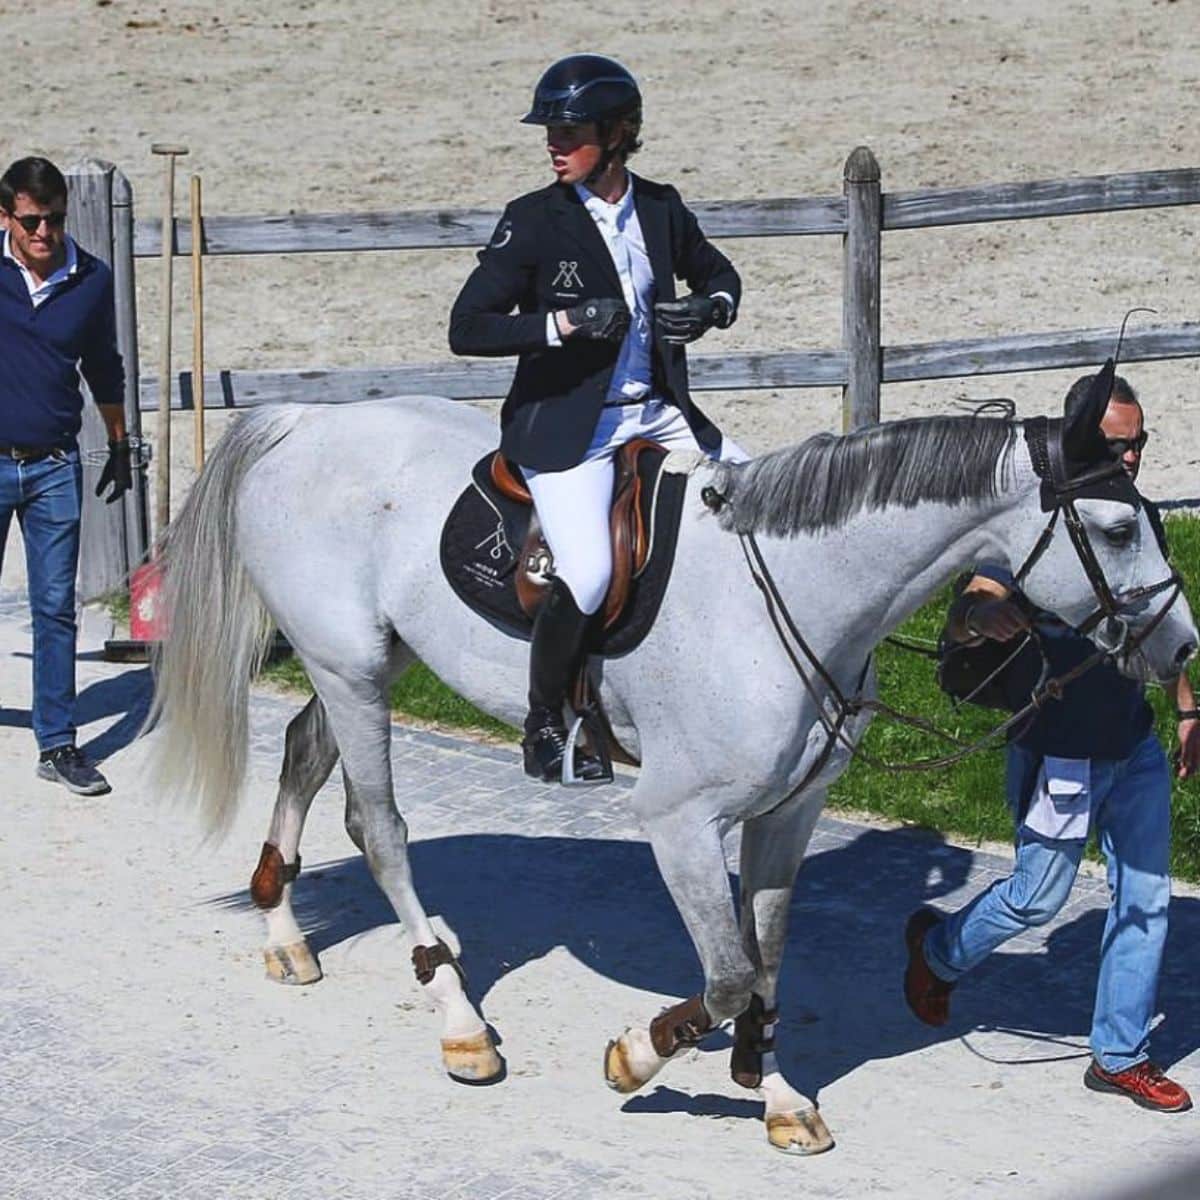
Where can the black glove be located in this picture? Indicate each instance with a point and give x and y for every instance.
(600, 320)
(685, 320)
(118, 470)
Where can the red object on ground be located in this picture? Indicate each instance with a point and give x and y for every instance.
(147, 616)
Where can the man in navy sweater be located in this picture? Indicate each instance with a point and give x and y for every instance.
(56, 319)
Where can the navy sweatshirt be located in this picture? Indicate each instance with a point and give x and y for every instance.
(43, 349)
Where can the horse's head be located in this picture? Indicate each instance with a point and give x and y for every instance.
(1096, 559)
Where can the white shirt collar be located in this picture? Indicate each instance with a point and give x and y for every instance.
(615, 214)
(69, 268)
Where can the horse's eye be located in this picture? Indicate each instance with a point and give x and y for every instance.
(1120, 535)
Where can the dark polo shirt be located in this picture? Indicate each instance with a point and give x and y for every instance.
(44, 348)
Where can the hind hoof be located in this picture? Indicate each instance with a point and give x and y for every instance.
(294, 964)
(472, 1059)
(799, 1132)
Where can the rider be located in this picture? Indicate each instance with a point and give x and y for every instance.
(590, 263)
(1090, 760)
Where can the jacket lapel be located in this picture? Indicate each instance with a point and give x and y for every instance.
(576, 224)
(656, 231)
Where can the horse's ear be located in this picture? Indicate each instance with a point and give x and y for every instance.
(1082, 440)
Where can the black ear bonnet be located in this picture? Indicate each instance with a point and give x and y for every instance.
(1071, 454)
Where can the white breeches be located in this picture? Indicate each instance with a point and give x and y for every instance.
(573, 505)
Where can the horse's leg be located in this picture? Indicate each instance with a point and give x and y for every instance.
(308, 757)
(361, 721)
(773, 847)
(687, 847)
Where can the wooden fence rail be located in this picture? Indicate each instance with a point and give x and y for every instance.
(709, 372)
(860, 216)
(310, 233)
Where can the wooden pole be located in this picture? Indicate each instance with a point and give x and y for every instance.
(137, 532)
(860, 296)
(198, 322)
(162, 449)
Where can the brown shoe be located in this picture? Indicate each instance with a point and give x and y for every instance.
(1145, 1084)
(927, 995)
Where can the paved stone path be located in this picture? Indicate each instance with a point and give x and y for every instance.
(143, 1054)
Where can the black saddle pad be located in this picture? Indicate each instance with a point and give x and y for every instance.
(484, 533)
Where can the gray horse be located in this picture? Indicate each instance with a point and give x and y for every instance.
(325, 522)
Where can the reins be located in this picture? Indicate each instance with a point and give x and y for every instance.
(844, 708)
(835, 709)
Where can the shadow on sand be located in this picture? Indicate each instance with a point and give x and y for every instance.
(512, 899)
(126, 696)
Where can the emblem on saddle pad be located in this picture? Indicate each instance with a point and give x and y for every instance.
(496, 544)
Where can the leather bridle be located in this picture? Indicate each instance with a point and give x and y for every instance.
(1059, 490)
(834, 709)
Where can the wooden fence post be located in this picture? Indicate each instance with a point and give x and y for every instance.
(860, 295)
(103, 562)
(137, 529)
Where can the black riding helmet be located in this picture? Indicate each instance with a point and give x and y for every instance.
(583, 88)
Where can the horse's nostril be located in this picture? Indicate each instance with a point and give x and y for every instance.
(1184, 653)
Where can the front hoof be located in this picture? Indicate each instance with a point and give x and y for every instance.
(472, 1059)
(800, 1132)
(294, 964)
(630, 1062)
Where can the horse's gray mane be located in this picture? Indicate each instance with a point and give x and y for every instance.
(823, 482)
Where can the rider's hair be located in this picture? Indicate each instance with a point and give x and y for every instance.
(630, 124)
(38, 178)
(1122, 391)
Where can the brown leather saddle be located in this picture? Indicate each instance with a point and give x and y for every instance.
(627, 529)
(496, 561)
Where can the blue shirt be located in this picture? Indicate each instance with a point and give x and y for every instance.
(44, 346)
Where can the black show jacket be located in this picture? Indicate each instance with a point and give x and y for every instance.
(548, 254)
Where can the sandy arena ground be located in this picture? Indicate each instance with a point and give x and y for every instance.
(317, 105)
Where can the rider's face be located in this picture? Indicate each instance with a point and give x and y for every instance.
(575, 151)
(1123, 423)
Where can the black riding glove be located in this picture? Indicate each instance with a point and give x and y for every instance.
(118, 470)
(600, 320)
(685, 320)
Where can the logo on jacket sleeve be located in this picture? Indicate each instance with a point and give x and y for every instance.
(568, 276)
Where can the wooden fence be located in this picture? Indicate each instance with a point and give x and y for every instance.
(860, 216)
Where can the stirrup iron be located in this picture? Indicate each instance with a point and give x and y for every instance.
(586, 720)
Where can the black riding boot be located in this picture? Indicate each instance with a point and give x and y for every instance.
(558, 635)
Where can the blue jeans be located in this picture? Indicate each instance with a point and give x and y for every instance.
(45, 495)
(1130, 811)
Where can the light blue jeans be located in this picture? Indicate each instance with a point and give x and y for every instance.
(1131, 815)
(45, 495)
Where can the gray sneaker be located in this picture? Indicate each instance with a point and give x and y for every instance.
(67, 765)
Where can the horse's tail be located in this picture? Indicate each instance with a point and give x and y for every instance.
(219, 630)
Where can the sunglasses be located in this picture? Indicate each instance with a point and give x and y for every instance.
(1121, 446)
(31, 222)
